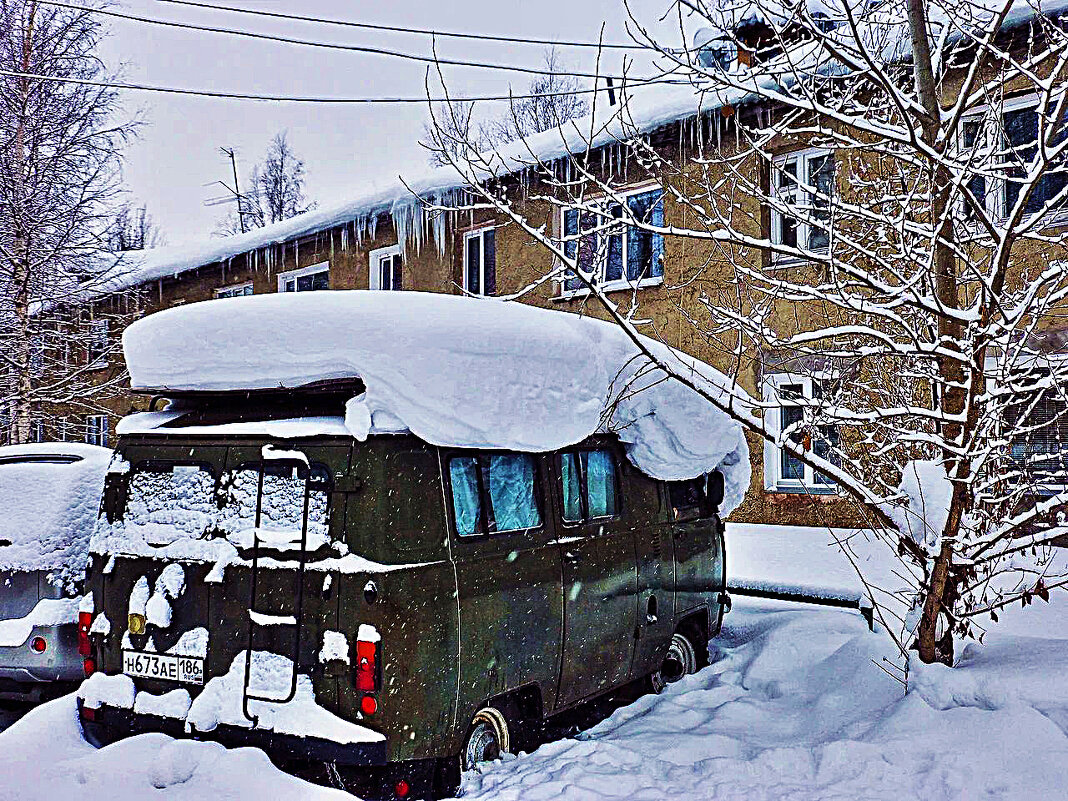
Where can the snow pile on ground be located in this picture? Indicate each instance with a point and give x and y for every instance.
(50, 506)
(792, 707)
(456, 372)
(43, 757)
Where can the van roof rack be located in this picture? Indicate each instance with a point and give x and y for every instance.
(351, 386)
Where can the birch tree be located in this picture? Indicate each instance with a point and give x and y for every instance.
(276, 190)
(872, 197)
(59, 150)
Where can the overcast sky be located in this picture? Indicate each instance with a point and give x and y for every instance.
(346, 148)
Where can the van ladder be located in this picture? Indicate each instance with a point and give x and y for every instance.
(246, 696)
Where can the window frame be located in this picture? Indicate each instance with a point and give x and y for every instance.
(374, 268)
(102, 430)
(774, 481)
(622, 283)
(803, 202)
(584, 500)
(98, 343)
(233, 290)
(483, 530)
(995, 192)
(293, 275)
(480, 234)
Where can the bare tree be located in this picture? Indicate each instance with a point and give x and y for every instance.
(276, 190)
(872, 197)
(59, 150)
(548, 101)
(134, 229)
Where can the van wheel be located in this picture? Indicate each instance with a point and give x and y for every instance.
(680, 660)
(488, 738)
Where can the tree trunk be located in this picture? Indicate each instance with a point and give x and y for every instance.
(954, 397)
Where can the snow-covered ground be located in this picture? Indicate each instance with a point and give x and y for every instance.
(794, 707)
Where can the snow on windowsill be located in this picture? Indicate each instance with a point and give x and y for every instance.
(803, 489)
(613, 286)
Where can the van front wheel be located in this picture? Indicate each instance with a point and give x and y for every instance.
(680, 660)
(488, 738)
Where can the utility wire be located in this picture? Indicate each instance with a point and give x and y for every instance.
(397, 29)
(380, 51)
(138, 87)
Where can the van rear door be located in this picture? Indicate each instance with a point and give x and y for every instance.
(599, 573)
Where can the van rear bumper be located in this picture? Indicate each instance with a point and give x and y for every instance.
(107, 724)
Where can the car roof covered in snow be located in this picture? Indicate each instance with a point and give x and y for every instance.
(456, 372)
(51, 494)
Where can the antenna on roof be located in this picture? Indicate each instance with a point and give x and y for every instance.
(610, 84)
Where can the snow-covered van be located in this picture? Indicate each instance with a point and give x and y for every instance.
(49, 497)
(396, 532)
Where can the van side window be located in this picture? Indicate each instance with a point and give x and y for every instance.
(696, 497)
(494, 493)
(590, 485)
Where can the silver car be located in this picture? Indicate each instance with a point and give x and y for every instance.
(49, 497)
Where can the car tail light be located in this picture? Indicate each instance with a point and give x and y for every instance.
(88, 666)
(402, 788)
(38, 644)
(85, 620)
(366, 666)
(87, 713)
(368, 705)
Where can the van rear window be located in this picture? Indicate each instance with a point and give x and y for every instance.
(282, 502)
(168, 501)
(590, 485)
(494, 493)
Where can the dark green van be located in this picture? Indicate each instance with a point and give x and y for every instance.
(395, 610)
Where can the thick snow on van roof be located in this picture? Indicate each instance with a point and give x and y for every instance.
(454, 371)
(52, 493)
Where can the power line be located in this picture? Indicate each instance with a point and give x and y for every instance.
(138, 87)
(397, 29)
(379, 51)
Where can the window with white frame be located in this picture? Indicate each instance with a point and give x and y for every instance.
(1008, 141)
(618, 255)
(803, 183)
(97, 343)
(234, 290)
(96, 429)
(386, 265)
(787, 396)
(38, 433)
(306, 279)
(480, 262)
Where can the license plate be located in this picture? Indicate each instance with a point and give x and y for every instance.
(184, 669)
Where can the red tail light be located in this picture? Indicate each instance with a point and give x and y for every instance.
(366, 666)
(38, 644)
(88, 666)
(85, 620)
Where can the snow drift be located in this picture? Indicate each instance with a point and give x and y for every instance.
(50, 506)
(457, 372)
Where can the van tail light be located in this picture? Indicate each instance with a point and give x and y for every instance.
(367, 668)
(88, 666)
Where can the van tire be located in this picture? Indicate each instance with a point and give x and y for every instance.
(488, 737)
(680, 660)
